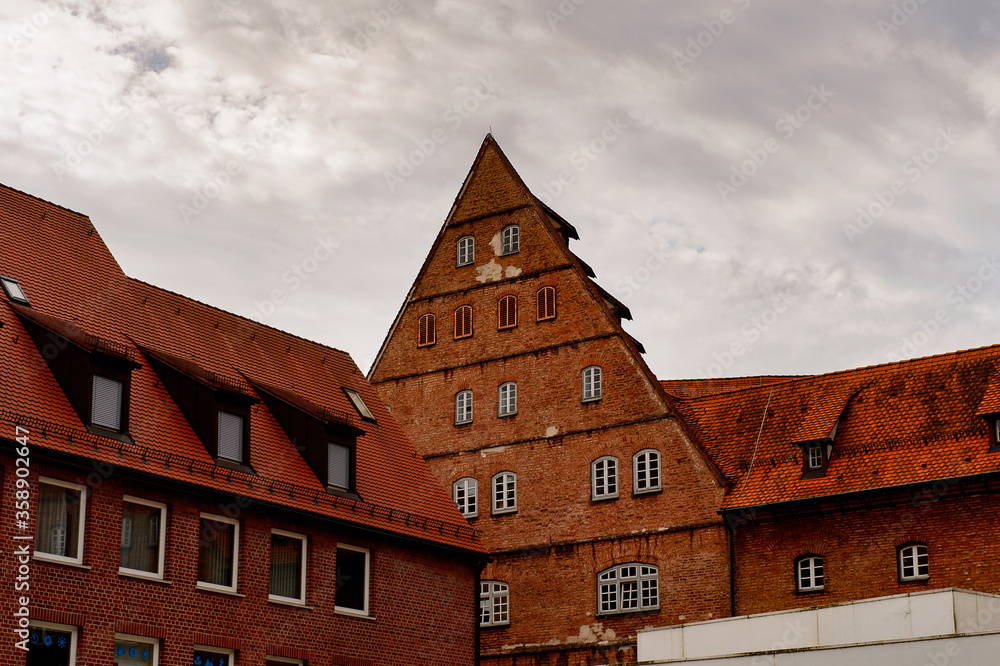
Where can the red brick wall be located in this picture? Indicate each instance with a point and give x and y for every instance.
(859, 551)
(421, 598)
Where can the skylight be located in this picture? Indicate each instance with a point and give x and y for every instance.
(359, 404)
(13, 290)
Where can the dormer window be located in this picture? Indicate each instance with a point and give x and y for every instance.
(106, 403)
(338, 466)
(815, 457)
(995, 440)
(231, 437)
(12, 288)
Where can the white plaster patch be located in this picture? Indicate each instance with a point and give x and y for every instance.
(490, 272)
(513, 271)
(592, 633)
(492, 449)
(495, 244)
(551, 431)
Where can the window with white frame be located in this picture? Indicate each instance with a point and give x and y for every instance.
(592, 383)
(494, 603)
(604, 478)
(510, 239)
(913, 562)
(814, 456)
(288, 567)
(646, 471)
(359, 404)
(463, 407)
(465, 251)
(61, 519)
(504, 492)
(106, 403)
(213, 656)
(51, 644)
(627, 588)
(809, 573)
(507, 402)
(13, 289)
(218, 553)
(144, 529)
(136, 650)
(351, 592)
(231, 433)
(466, 494)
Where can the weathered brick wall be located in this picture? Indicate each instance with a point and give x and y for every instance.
(859, 551)
(421, 599)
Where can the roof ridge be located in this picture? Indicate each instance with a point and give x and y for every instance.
(50, 203)
(239, 316)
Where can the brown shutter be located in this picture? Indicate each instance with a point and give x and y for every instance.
(508, 312)
(463, 321)
(546, 301)
(426, 334)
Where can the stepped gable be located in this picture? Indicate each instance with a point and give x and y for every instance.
(75, 286)
(902, 423)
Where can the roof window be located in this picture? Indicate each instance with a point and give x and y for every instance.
(12, 288)
(359, 404)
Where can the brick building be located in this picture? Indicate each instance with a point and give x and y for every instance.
(185, 486)
(508, 367)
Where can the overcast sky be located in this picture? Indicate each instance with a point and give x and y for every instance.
(770, 186)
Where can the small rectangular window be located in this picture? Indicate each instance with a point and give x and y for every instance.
(12, 288)
(205, 655)
(507, 312)
(913, 562)
(338, 466)
(106, 408)
(466, 251)
(136, 651)
(494, 603)
(463, 322)
(61, 518)
(143, 537)
(507, 399)
(231, 436)
(288, 567)
(604, 478)
(466, 493)
(351, 594)
(463, 407)
(815, 452)
(218, 553)
(426, 330)
(546, 302)
(646, 471)
(359, 404)
(51, 644)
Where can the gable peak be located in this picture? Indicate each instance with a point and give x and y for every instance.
(492, 186)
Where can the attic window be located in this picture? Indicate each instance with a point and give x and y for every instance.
(231, 436)
(338, 466)
(814, 456)
(13, 290)
(106, 408)
(359, 404)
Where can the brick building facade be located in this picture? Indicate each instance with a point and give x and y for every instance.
(185, 486)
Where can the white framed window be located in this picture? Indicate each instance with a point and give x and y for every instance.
(359, 404)
(353, 568)
(463, 407)
(604, 478)
(271, 660)
(592, 383)
(466, 494)
(507, 402)
(913, 562)
(62, 514)
(809, 573)
(814, 456)
(231, 427)
(338, 465)
(218, 553)
(13, 289)
(288, 567)
(504, 492)
(106, 403)
(465, 251)
(136, 650)
(51, 644)
(205, 655)
(510, 239)
(494, 603)
(646, 471)
(627, 588)
(144, 535)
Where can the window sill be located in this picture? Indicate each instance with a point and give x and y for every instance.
(353, 613)
(818, 590)
(55, 559)
(653, 609)
(217, 590)
(649, 491)
(505, 512)
(590, 400)
(152, 578)
(919, 581)
(459, 424)
(505, 625)
(507, 415)
(288, 602)
(604, 498)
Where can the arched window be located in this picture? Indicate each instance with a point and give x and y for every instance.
(463, 407)
(465, 251)
(604, 478)
(627, 588)
(426, 332)
(463, 321)
(507, 312)
(809, 573)
(466, 495)
(913, 564)
(646, 471)
(494, 603)
(545, 300)
(504, 492)
(592, 383)
(507, 399)
(510, 239)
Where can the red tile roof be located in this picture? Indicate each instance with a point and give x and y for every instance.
(900, 423)
(76, 288)
(696, 388)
